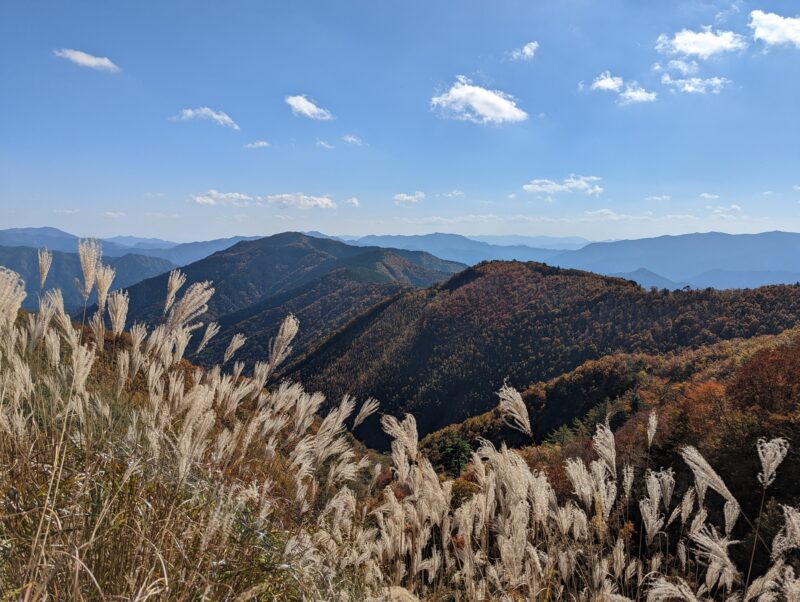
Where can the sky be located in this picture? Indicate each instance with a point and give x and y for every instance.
(596, 118)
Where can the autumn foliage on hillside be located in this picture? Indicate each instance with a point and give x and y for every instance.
(442, 352)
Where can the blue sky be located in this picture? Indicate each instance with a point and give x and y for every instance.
(604, 119)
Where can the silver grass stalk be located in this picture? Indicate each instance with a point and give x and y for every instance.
(788, 538)
(12, 294)
(212, 329)
(104, 277)
(118, 311)
(45, 261)
(665, 591)
(98, 329)
(712, 547)
(771, 453)
(704, 474)
(652, 427)
(192, 305)
(368, 408)
(175, 281)
(281, 345)
(513, 410)
(603, 443)
(404, 433)
(90, 253)
(237, 340)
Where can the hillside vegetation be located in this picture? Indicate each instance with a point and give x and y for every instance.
(442, 352)
(130, 474)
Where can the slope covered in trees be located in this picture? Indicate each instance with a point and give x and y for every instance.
(441, 353)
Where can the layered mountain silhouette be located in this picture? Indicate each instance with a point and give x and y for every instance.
(176, 253)
(66, 268)
(442, 352)
(324, 282)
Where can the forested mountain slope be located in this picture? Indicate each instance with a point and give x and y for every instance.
(442, 352)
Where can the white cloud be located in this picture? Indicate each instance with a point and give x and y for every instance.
(84, 59)
(468, 102)
(526, 53)
(408, 199)
(586, 184)
(299, 200)
(696, 85)
(734, 9)
(66, 211)
(215, 197)
(709, 196)
(257, 144)
(659, 197)
(607, 82)
(301, 105)
(683, 67)
(353, 200)
(217, 117)
(324, 144)
(725, 211)
(634, 94)
(455, 193)
(774, 29)
(352, 139)
(702, 44)
(114, 214)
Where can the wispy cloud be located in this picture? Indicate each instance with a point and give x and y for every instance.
(66, 211)
(573, 183)
(215, 197)
(455, 193)
(352, 139)
(696, 85)
(301, 105)
(299, 200)
(709, 196)
(258, 144)
(773, 29)
(702, 44)
(404, 198)
(84, 59)
(627, 93)
(114, 214)
(205, 113)
(607, 82)
(635, 94)
(659, 197)
(324, 144)
(524, 53)
(467, 102)
(353, 201)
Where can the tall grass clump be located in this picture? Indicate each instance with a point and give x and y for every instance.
(126, 473)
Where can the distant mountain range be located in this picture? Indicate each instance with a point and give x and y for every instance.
(176, 253)
(131, 268)
(700, 260)
(324, 282)
(711, 259)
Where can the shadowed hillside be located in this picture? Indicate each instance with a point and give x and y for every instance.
(441, 353)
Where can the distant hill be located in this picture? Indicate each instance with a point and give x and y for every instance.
(647, 279)
(58, 240)
(458, 248)
(131, 268)
(325, 282)
(683, 258)
(442, 352)
(542, 242)
(724, 279)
